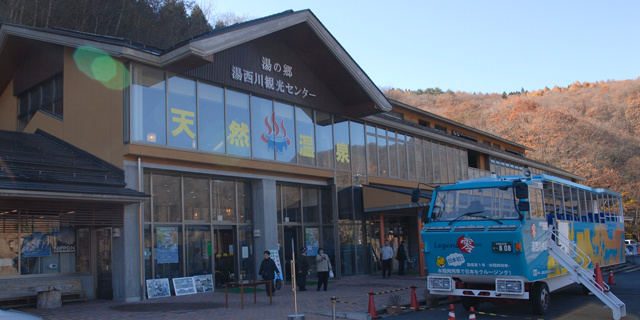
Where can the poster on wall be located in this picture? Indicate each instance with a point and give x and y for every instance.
(158, 288)
(204, 283)
(65, 240)
(36, 245)
(276, 258)
(167, 244)
(312, 241)
(184, 286)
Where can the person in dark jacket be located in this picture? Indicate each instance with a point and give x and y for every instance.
(267, 271)
(401, 256)
(302, 268)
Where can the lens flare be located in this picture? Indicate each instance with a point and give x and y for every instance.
(100, 66)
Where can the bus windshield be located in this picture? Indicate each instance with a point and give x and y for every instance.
(474, 204)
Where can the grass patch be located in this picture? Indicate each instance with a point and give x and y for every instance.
(246, 290)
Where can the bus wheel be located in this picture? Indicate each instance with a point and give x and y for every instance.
(585, 290)
(468, 302)
(540, 298)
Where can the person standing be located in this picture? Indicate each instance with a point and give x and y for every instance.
(387, 255)
(267, 271)
(302, 269)
(401, 256)
(324, 266)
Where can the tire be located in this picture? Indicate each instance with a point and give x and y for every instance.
(585, 290)
(540, 298)
(468, 302)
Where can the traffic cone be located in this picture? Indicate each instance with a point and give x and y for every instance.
(472, 314)
(599, 277)
(372, 306)
(452, 313)
(611, 281)
(414, 300)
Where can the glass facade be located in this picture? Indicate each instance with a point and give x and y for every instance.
(197, 225)
(210, 118)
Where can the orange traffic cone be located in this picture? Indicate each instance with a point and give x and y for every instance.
(414, 300)
(452, 313)
(599, 280)
(611, 281)
(472, 314)
(372, 306)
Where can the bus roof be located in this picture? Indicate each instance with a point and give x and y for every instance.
(496, 181)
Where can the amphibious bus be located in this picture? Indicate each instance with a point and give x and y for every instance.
(516, 239)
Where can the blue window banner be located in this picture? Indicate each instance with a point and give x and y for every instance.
(167, 244)
(312, 241)
(36, 245)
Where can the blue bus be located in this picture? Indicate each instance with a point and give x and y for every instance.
(516, 239)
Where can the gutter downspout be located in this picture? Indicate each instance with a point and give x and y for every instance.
(142, 295)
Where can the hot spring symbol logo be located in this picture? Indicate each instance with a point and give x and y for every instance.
(280, 143)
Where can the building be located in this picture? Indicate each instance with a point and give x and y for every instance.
(264, 135)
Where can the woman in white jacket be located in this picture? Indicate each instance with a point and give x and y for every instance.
(324, 265)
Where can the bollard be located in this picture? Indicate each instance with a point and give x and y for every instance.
(333, 307)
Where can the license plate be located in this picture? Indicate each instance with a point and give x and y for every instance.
(502, 246)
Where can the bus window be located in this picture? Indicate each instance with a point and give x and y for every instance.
(557, 201)
(535, 202)
(584, 206)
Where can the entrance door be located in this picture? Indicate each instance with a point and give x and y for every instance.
(224, 253)
(291, 234)
(104, 287)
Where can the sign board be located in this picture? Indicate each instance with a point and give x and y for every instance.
(203, 283)
(158, 288)
(276, 258)
(184, 286)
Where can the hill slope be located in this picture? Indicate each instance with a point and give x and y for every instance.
(591, 129)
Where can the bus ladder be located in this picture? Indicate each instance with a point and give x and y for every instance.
(582, 275)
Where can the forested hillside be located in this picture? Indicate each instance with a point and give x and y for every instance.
(159, 23)
(590, 129)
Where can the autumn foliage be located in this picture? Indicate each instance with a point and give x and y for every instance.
(590, 129)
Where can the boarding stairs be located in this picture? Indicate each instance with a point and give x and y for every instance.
(566, 253)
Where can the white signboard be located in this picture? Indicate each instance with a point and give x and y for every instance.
(276, 258)
(184, 286)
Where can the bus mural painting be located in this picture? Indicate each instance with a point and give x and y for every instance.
(540, 234)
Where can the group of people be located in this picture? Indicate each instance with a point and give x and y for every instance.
(386, 253)
(268, 270)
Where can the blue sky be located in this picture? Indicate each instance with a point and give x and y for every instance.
(476, 46)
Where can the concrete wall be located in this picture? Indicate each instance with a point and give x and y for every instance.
(265, 219)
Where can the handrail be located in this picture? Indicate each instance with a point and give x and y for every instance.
(573, 248)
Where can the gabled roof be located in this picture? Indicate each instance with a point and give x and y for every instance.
(300, 30)
(40, 165)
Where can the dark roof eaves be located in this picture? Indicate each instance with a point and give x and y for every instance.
(114, 170)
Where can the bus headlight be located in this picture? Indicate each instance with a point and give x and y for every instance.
(440, 283)
(509, 286)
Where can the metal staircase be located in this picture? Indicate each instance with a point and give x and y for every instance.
(566, 254)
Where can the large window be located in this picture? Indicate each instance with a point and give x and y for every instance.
(182, 113)
(305, 136)
(46, 97)
(285, 140)
(148, 107)
(211, 118)
(265, 127)
(238, 122)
